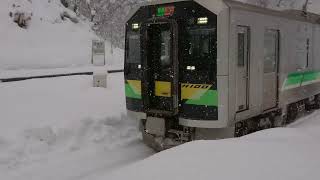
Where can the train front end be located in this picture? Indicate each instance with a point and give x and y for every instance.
(171, 72)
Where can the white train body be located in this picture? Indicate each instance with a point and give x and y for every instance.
(267, 71)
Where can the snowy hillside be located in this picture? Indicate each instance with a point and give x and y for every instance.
(48, 42)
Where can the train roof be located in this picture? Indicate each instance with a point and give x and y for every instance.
(217, 6)
(289, 13)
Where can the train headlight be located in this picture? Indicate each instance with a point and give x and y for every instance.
(135, 26)
(202, 20)
(191, 68)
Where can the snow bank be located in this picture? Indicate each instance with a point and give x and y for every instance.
(63, 128)
(285, 153)
(49, 42)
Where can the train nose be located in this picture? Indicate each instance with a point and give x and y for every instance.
(161, 133)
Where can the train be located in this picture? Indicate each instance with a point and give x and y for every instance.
(214, 69)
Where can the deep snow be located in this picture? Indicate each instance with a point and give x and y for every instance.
(290, 153)
(63, 128)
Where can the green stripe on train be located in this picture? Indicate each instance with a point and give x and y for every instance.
(130, 92)
(210, 98)
(311, 76)
(299, 79)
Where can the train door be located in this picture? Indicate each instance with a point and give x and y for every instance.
(160, 84)
(242, 81)
(270, 76)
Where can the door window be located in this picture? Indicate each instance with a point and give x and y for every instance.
(243, 45)
(165, 48)
(241, 52)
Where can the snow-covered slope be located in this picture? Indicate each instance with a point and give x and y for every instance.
(49, 42)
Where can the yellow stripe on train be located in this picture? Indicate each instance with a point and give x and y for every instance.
(163, 89)
(135, 85)
(193, 91)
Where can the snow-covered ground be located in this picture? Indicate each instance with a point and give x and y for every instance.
(63, 128)
(48, 42)
(290, 153)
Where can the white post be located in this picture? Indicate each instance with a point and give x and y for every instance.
(100, 79)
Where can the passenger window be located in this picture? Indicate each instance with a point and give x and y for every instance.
(271, 49)
(302, 52)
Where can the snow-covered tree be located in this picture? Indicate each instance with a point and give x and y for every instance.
(108, 16)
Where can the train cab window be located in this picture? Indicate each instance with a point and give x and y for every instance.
(200, 53)
(199, 44)
(133, 56)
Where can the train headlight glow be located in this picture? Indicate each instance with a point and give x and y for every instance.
(191, 68)
(202, 20)
(135, 26)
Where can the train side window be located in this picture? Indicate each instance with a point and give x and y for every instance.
(271, 50)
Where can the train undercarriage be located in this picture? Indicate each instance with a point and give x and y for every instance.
(165, 133)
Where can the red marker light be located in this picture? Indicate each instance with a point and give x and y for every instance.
(169, 11)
